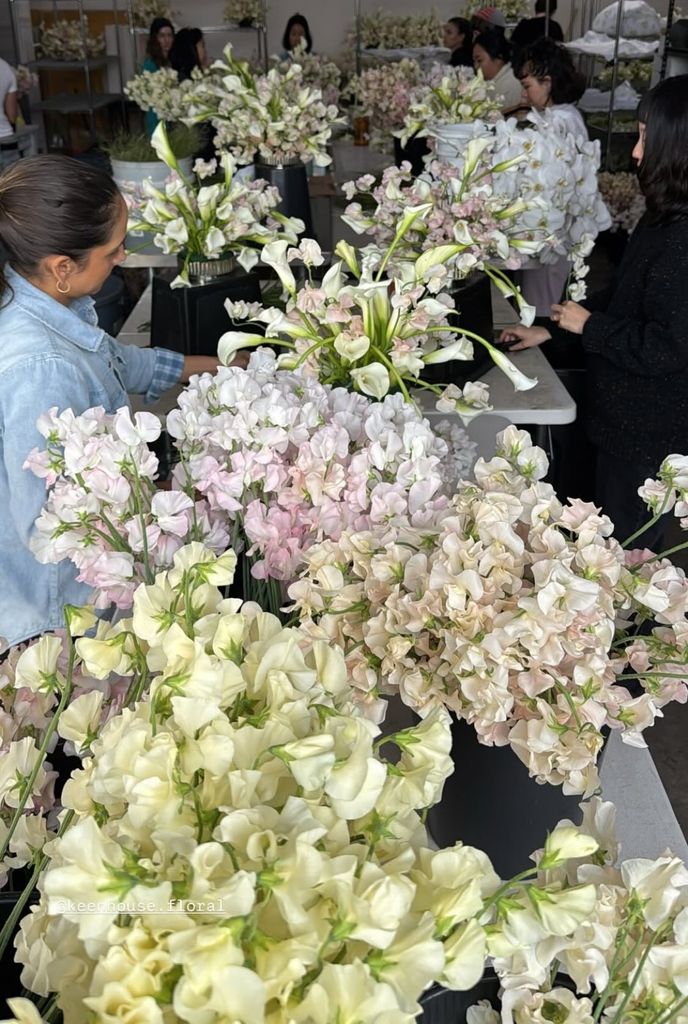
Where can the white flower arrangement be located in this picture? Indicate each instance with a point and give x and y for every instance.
(516, 612)
(623, 963)
(623, 198)
(61, 39)
(244, 12)
(449, 96)
(146, 10)
(512, 10)
(210, 221)
(26, 79)
(391, 31)
(235, 847)
(273, 117)
(317, 71)
(160, 91)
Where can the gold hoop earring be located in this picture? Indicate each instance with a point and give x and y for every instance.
(63, 288)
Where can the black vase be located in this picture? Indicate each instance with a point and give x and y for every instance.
(192, 320)
(291, 181)
(492, 803)
(440, 1006)
(414, 151)
(473, 312)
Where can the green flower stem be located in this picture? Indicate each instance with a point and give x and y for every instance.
(673, 1011)
(27, 787)
(148, 573)
(662, 554)
(655, 519)
(529, 873)
(636, 977)
(394, 245)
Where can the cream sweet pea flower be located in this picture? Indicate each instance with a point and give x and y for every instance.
(78, 723)
(37, 665)
(465, 956)
(566, 843)
(23, 1012)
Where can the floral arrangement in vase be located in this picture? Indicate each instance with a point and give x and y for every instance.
(369, 330)
(516, 612)
(463, 203)
(383, 95)
(637, 72)
(391, 31)
(274, 117)
(449, 96)
(201, 221)
(235, 846)
(623, 198)
(61, 39)
(145, 11)
(316, 72)
(244, 12)
(623, 963)
(160, 91)
(26, 79)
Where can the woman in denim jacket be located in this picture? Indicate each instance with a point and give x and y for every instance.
(62, 229)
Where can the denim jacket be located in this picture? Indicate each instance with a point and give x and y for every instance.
(53, 355)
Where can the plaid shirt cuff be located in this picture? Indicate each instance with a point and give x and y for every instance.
(166, 373)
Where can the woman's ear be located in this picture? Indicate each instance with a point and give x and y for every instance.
(58, 269)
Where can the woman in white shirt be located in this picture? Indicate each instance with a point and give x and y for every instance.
(491, 53)
(9, 106)
(551, 86)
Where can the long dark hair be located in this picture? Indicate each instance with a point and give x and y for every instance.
(183, 55)
(53, 205)
(464, 54)
(663, 170)
(297, 19)
(153, 46)
(494, 43)
(546, 59)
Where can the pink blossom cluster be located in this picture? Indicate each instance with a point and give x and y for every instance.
(293, 462)
(518, 613)
(383, 93)
(104, 510)
(470, 207)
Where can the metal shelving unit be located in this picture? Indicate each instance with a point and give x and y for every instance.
(88, 101)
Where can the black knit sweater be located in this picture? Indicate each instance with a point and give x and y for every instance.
(637, 345)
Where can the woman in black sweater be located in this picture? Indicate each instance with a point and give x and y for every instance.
(635, 334)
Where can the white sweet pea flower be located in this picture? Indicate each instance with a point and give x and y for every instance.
(247, 259)
(37, 665)
(80, 619)
(144, 427)
(371, 380)
(566, 842)
(79, 722)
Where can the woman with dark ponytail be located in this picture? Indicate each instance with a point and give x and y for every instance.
(62, 229)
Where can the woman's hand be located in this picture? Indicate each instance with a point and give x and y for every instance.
(525, 337)
(570, 316)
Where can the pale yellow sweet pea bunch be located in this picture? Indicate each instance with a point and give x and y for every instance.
(236, 848)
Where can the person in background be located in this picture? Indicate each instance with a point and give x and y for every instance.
(487, 18)
(160, 39)
(297, 33)
(635, 334)
(458, 38)
(9, 105)
(551, 86)
(491, 53)
(62, 230)
(188, 52)
(529, 30)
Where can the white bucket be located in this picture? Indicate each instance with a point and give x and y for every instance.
(451, 139)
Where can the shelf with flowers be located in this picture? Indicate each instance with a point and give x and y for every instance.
(382, 94)
(245, 13)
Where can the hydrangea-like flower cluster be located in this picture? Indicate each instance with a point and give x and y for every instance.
(61, 39)
(514, 611)
(623, 198)
(276, 116)
(236, 848)
(450, 96)
(239, 12)
(295, 461)
(391, 31)
(103, 509)
(383, 94)
(625, 960)
(207, 221)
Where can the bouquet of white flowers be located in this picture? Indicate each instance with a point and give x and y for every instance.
(61, 39)
(393, 31)
(160, 91)
(274, 117)
(146, 10)
(316, 71)
(449, 96)
(26, 79)
(210, 221)
(511, 9)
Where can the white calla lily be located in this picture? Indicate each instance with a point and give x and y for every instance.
(372, 380)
